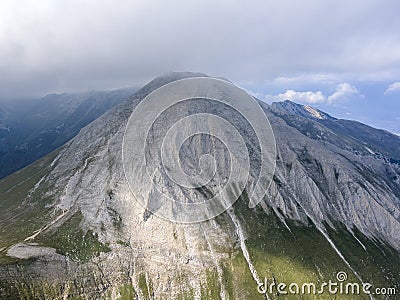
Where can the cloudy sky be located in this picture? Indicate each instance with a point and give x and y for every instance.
(340, 56)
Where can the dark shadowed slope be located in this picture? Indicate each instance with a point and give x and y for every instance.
(30, 129)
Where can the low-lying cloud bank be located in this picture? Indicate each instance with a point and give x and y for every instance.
(344, 91)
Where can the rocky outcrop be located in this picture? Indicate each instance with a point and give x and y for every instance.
(321, 180)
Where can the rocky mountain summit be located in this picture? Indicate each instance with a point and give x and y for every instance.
(70, 227)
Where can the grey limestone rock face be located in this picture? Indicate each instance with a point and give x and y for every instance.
(317, 181)
(336, 181)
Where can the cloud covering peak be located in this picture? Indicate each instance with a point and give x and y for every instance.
(48, 46)
(344, 91)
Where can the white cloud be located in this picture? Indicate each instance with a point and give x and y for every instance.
(305, 97)
(343, 91)
(394, 87)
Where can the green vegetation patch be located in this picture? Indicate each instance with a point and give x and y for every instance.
(378, 263)
(145, 287)
(71, 241)
(127, 292)
(20, 215)
(303, 255)
(212, 288)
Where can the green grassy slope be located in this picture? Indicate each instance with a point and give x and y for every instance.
(22, 215)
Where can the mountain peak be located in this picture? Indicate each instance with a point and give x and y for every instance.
(165, 79)
(305, 111)
(71, 225)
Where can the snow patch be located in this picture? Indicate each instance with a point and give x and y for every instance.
(369, 150)
(315, 113)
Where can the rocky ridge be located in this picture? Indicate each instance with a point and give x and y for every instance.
(327, 187)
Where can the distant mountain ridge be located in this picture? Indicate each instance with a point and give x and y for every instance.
(306, 111)
(30, 129)
(366, 138)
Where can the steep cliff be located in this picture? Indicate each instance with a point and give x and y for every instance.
(70, 226)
